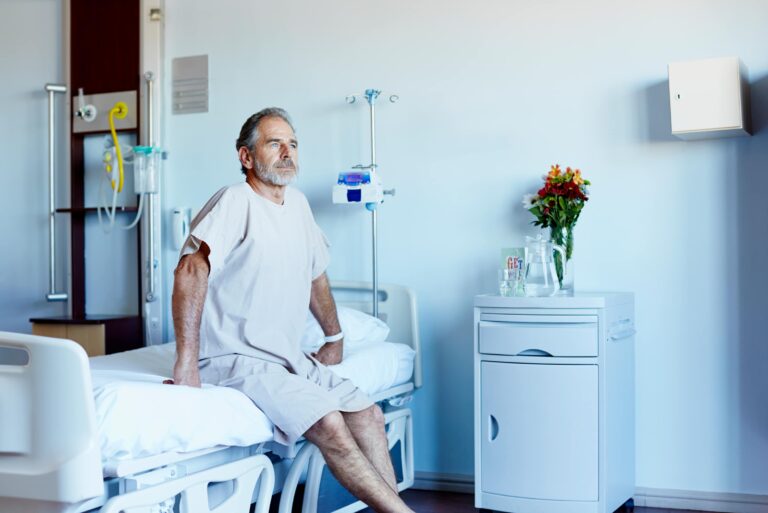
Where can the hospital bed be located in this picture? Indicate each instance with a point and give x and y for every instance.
(75, 437)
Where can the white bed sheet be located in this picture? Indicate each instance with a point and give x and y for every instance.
(138, 416)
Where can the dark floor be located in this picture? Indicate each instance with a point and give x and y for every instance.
(423, 501)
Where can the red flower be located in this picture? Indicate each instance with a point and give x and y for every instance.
(560, 199)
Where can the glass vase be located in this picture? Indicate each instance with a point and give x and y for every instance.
(563, 236)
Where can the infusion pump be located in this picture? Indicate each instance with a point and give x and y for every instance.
(359, 187)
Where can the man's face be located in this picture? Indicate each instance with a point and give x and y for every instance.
(275, 152)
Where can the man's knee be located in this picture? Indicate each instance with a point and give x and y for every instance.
(375, 415)
(371, 417)
(330, 426)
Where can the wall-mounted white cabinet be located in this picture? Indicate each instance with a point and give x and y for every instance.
(709, 98)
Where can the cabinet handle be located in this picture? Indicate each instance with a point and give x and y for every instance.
(534, 352)
(493, 428)
(622, 334)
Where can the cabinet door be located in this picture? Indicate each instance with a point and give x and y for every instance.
(539, 430)
(705, 95)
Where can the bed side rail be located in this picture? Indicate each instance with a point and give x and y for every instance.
(49, 447)
(397, 307)
(194, 489)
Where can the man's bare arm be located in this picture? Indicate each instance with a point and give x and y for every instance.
(323, 307)
(190, 287)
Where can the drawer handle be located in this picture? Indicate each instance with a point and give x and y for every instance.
(534, 352)
(493, 428)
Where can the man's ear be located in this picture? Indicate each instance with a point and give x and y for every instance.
(245, 157)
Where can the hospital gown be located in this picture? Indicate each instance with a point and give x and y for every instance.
(263, 258)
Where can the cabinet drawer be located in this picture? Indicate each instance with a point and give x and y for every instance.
(538, 335)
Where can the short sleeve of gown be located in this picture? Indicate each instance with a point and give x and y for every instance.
(321, 257)
(221, 225)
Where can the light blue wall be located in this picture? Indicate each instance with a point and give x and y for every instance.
(30, 57)
(492, 92)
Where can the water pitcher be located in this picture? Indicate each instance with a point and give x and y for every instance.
(540, 273)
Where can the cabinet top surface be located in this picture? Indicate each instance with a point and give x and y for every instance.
(579, 300)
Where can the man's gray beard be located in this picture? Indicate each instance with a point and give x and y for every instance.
(273, 175)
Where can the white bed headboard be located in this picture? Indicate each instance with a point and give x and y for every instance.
(397, 307)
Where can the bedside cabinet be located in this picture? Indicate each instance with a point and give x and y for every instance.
(97, 334)
(554, 403)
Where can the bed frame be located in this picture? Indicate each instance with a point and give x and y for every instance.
(49, 453)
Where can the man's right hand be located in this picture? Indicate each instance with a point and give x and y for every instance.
(190, 285)
(186, 374)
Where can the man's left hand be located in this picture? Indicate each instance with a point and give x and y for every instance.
(330, 353)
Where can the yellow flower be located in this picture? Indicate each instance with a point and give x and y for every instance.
(554, 172)
(577, 179)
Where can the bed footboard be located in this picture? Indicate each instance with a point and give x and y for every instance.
(49, 451)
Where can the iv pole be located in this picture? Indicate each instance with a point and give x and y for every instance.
(371, 95)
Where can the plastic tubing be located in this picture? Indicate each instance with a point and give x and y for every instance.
(138, 213)
(120, 110)
(110, 212)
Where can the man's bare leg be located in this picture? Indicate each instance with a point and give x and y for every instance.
(350, 466)
(367, 427)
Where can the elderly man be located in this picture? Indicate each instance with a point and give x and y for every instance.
(254, 261)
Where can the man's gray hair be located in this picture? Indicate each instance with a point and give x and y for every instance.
(249, 133)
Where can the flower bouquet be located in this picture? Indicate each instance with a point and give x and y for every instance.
(557, 206)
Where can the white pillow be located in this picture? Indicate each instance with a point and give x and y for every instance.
(358, 328)
(377, 367)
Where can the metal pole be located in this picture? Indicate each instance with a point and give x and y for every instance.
(150, 297)
(371, 95)
(372, 102)
(375, 267)
(52, 294)
(150, 77)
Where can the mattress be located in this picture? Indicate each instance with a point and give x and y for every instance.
(137, 416)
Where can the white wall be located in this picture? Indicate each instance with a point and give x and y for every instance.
(31, 43)
(492, 92)
(30, 57)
